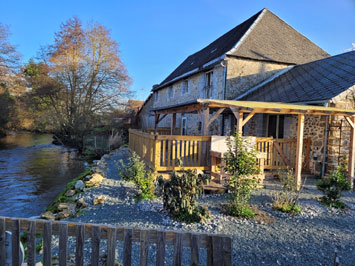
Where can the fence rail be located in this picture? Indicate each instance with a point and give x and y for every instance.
(281, 153)
(171, 152)
(218, 247)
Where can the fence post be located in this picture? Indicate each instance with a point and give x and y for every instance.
(157, 150)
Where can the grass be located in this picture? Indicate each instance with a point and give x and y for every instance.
(294, 209)
(61, 198)
(238, 211)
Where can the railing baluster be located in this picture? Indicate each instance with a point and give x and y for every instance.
(47, 243)
(95, 245)
(63, 246)
(143, 258)
(31, 244)
(80, 239)
(111, 245)
(194, 250)
(15, 242)
(2, 241)
(127, 247)
(160, 256)
(177, 249)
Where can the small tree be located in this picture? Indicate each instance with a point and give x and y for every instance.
(286, 199)
(241, 164)
(333, 185)
(180, 194)
(135, 171)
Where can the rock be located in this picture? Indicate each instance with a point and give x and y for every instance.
(87, 178)
(70, 207)
(48, 215)
(95, 180)
(79, 185)
(81, 203)
(62, 215)
(98, 200)
(70, 193)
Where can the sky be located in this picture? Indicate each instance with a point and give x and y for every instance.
(155, 36)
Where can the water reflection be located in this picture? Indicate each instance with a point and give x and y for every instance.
(32, 172)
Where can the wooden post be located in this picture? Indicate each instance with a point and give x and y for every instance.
(173, 124)
(351, 160)
(298, 166)
(240, 123)
(205, 119)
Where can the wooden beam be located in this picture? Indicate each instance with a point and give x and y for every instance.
(161, 118)
(214, 117)
(173, 124)
(349, 121)
(156, 123)
(298, 166)
(250, 115)
(351, 160)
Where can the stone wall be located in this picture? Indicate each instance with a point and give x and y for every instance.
(243, 74)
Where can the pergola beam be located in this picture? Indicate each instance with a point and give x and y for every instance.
(215, 116)
(250, 115)
(351, 159)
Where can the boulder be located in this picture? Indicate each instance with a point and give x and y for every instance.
(98, 200)
(87, 178)
(70, 193)
(81, 203)
(95, 180)
(70, 207)
(48, 215)
(79, 185)
(63, 214)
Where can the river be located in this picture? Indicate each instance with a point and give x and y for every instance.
(32, 173)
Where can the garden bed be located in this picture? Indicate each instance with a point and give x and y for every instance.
(271, 238)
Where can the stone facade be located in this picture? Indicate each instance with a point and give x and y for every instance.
(243, 74)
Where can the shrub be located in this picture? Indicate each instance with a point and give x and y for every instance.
(286, 199)
(333, 185)
(241, 165)
(135, 171)
(180, 194)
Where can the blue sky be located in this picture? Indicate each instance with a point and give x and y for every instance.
(155, 36)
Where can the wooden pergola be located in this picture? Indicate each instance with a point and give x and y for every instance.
(204, 107)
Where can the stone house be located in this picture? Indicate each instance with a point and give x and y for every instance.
(252, 57)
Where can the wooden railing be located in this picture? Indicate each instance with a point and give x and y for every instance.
(171, 152)
(164, 130)
(281, 153)
(218, 248)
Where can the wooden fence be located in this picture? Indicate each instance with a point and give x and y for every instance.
(218, 248)
(171, 152)
(281, 153)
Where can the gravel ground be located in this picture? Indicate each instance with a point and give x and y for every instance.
(273, 238)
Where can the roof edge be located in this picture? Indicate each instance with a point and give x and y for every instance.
(241, 40)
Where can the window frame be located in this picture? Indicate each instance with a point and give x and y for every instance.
(156, 96)
(183, 128)
(170, 92)
(185, 87)
(208, 84)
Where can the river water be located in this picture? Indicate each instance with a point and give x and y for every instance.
(32, 173)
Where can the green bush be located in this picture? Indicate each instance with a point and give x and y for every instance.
(286, 199)
(180, 194)
(241, 165)
(333, 185)
(135, 171)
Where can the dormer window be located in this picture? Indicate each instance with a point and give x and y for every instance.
(170, 92)
(185, 87)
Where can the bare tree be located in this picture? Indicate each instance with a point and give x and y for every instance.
(86, 76)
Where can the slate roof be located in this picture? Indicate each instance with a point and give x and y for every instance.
(263, 36)
(320, 80)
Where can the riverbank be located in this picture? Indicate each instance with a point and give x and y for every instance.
(272, 238)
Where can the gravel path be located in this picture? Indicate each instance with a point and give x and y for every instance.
(274, 239)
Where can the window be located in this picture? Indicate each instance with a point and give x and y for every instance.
(156, 96)
(170, 92)
(209, 84)
(183, 125)
(275, 126)
(185, 87)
